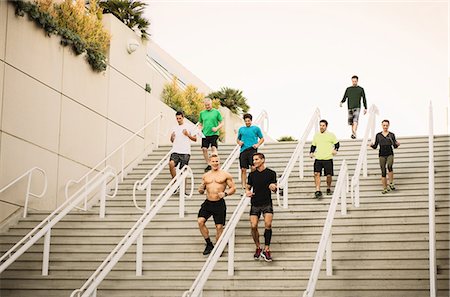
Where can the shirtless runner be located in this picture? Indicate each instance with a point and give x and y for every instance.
(214, 183)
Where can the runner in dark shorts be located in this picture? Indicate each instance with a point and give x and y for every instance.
(261, 183)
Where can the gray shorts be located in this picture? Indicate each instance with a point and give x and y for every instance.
(181, 159)
(353, 115)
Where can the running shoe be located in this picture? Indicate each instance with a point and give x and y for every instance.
(208, 249)
(392, 186)
(353, 136)
(257, 254)
(385, 191)
(329, 192)
(207, 168)
(318, 194)
(266, 256)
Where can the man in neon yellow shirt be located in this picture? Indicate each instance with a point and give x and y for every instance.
(323, 147)
(210, 122)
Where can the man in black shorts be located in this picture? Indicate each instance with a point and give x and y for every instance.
(249, 139)
(214, 183)
(263, 181)
(210, 121)
(323, 147)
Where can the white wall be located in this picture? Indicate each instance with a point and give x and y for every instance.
(58, 114)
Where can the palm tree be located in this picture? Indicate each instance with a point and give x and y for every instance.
(231, 98)
(130, 12)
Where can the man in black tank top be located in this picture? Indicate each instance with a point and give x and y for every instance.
(260, 185)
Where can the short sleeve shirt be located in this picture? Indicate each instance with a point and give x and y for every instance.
(249, 136)
(182, 143)
(209, 119)
(260, 182)
(324, 143)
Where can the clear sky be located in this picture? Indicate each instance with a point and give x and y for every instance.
(289, 57)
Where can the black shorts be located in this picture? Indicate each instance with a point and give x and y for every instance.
(182, 159)
(261, 209)
(327, 166)
(210, 140)
(217, 209)
(246, 157)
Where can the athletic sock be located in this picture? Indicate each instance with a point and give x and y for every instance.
(208, 241)
(267, 236)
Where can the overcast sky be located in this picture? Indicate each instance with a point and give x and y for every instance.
(289, 57)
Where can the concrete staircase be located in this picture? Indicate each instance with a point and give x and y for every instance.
(380, 248)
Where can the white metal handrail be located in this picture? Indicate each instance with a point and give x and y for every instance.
(44, 228)
(362, 157)
(431, 205)
(227, 237)
(145, 183)
(121, 148)
(135, 234)
(296, 155)
(28, 193)
(325, 244)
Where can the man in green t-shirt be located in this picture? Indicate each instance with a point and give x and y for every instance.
(354, 95)
(323, 147)
(210, 122)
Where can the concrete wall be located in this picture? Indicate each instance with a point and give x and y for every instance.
(56, 113)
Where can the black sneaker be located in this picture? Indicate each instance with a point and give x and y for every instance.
(318, 194)
(257, 254)
(266, 256)
(208, 249)
(353, 136)
(329, 192)
(207, 168)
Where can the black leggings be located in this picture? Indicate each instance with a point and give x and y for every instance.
(386, 160)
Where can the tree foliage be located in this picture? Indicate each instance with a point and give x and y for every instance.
(129, 12)
(286, 138)
(231, 98)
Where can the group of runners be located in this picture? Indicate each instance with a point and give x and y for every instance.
(261, 181)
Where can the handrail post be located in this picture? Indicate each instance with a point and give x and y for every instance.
(158, 131)
(148, 196)
(231, 253)
(25, 207)
(431, 206)
(103, 198)
(86, 192)
(344, 198)
(139, 252)
(285, 195)
(46, 253)
(122, 164)
(182, 196)
(329, 255)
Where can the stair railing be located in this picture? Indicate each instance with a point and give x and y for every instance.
(86, 178)
(145, 183)
(296, 155)
(28, 192)
(431, 205)
(362, 157)
(44, 228)
(227, 237)
(325, 244)
(135, 234)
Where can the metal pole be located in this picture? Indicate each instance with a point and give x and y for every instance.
(103, 198)
(46, 253)
(329, 255)
(27, 196)
(139, 252)
(182, 195)
(431, 207)
(231, 254)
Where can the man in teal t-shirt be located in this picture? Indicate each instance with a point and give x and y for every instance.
(354, 95)
(249, 138)
(210, 121)
(323, 147)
